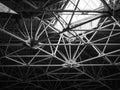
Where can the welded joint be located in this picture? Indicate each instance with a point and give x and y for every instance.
(71, 64)
(34, 44)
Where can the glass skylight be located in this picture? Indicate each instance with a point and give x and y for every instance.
(82, 5)
(5, 9)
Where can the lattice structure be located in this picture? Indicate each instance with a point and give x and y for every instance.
(63, 48)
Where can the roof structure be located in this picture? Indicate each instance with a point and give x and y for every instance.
(59, 44)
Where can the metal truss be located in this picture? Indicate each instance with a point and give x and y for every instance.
(35, 50)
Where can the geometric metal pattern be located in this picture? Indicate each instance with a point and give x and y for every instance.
(37, 55)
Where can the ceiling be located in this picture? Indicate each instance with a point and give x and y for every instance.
(59, 44)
